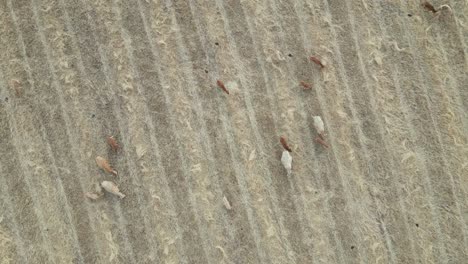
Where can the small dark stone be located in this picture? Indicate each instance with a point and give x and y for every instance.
(352, 247)
(417, 225)
(206, 71)
(410, 15)
(290, 55)
(93, 115)
(6, 99)
(216, 43)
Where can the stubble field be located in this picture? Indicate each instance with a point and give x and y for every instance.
(392, 187)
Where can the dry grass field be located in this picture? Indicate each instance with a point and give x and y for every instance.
(392, 187)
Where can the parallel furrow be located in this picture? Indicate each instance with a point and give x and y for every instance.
(129, 172)
(447, 195)
(370, 164)
(460, 11)
(374, 225)
(285, 86)
(283, 96)
(212, 60)
(451, 117)
(391, 188)
(276, 161)
(113, 120)
(54, 217)
(130, 45)
(26, 195)
(378, 217)
(401, 133)
(449, 113)
(230, 107)
(140, 149)
(63, 96)
(418, 108)
(206, 52)
(182, 199)
(208, 161)
(9, 217)
(15, 182)
(206, 119)
(73, 165)
(262, 123)
(239, 129)
(404, 238)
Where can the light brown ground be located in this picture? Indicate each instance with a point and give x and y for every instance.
(393, 95)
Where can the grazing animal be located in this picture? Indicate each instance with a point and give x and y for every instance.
(112, 188)
(226, 203)
(319, 126)
(222, 86)
(321, 142)
(92, 196)
(317, 61)
(104, 164)
(285, 144)
(113, 143)
(428, 6)
(286, 160)
(305, 85)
